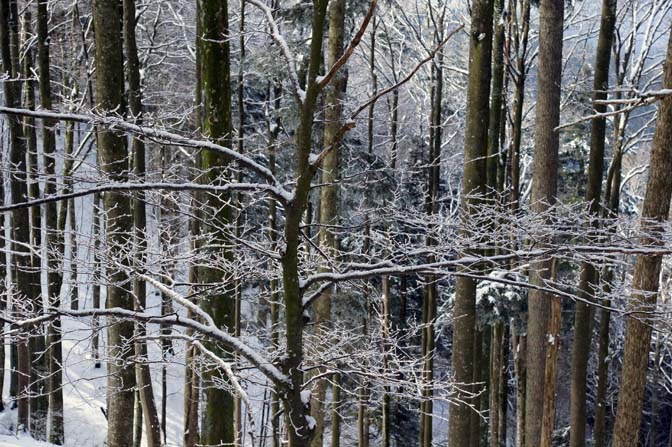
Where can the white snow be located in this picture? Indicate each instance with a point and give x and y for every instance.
(312, 423)
(305, 397)
(20, 441)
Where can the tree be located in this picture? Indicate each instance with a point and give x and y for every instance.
(218, 421)
(544, 189)
(52, 238)
(473, 186)
(655, 209)
(113, 159)
(329, 195)
(142, 375)
(588, 282)
(9, 23)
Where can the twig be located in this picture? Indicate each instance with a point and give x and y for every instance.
(351, 48)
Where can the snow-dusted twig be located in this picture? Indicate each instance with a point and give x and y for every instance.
(116, 123)
(641, 100)
(316, 160)
(298, 92)
(179, 299)
(134, 186)
(324, 81)
(210, 332)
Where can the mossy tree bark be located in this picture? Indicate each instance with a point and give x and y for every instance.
(217, 425)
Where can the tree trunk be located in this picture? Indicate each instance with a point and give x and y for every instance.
(300, 431)
(97, 275)
(39, 373)
(654, 395)
(52, 238)
(494, 122)
(611, 209)
(218, 413)
(600, 424)
(473, 184)
(475, 437)
(119, 228)
(20, 219)
(329, 198)
(544, 188)
(495, 378)
(74, 255)
(337, 402)
(274, 130)
(137, 421)
(550, 374)
(387, 347)
(238, 403)
(646, 275)
(3, 282)
(142, 373)
(588, 280)
(504, 387)
(519, 363)
(520, 41)
(191, 377)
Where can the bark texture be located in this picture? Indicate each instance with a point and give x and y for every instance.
(217, 425)
(53, 239)
(473, 183)
(646, 275)
(113, 160)
(544, 189)
(588, 279)
(328, 216)
(20, 219)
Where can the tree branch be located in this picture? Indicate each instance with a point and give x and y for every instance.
(323, 82)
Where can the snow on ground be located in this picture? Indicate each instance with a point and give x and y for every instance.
(16, 441)
(85, 387)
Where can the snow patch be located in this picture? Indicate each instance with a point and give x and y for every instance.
(312, 423)
(305, 397)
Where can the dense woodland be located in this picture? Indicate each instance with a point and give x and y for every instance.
(336, 223)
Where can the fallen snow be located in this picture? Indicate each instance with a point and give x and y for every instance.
(23, 441)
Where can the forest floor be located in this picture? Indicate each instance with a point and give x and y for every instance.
(85, 387)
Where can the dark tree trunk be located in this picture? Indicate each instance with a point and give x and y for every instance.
(218, 413)
(113, 160)
(588, 280)
(38, 376)
(473, 184)
(20, 219)
(134, 97)
(520, 42)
